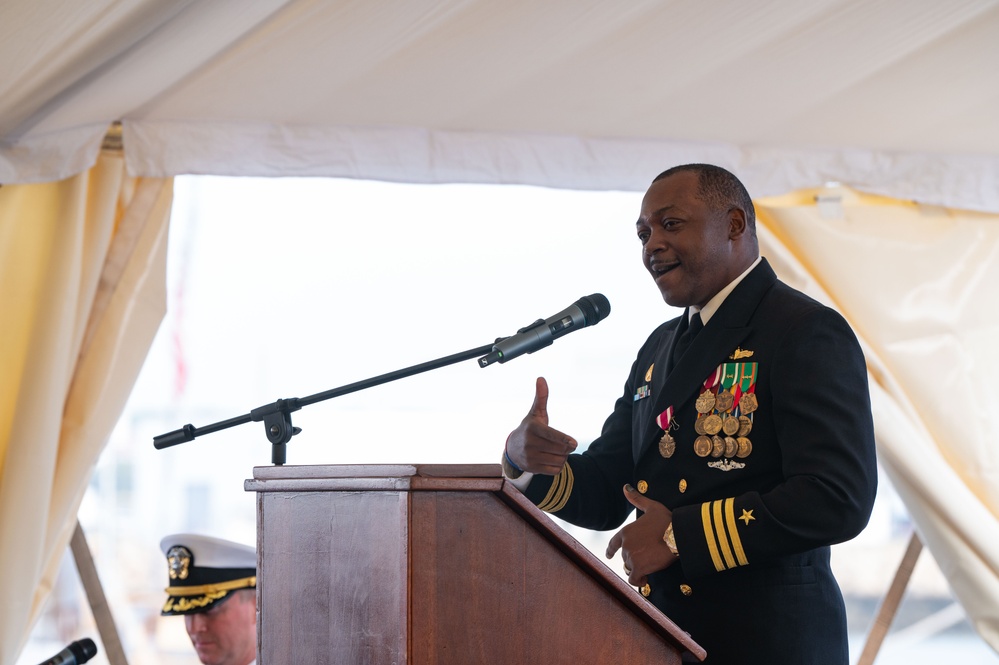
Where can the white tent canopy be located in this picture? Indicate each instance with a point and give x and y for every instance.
(891, 97)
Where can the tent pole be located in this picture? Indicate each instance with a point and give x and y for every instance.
(95, 595)
(891, 601)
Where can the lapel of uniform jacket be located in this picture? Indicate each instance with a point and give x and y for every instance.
(727, 328)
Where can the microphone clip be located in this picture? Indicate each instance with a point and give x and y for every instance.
(497, 355)
(539, 322)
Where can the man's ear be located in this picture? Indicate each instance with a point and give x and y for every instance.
(736, 223)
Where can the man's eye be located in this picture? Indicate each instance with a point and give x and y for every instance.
(644, 237)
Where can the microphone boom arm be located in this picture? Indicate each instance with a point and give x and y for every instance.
(277, 415)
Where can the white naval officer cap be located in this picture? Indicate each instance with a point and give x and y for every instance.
(203, 571)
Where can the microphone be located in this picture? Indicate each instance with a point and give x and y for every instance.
(75, 654)
(587, 311)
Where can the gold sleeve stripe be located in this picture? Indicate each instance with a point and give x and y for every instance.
(569, 481)
(722, 536)
(709, 536)
(554, 491)
(558, 493)
(733, 532)
(243, 583)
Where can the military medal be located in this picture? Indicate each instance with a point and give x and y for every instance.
(748, 403)
(702, 446)
(667, 444)
(730, 425)
(705, 402)
(731, 447)
(724, 401)
(717, 446)
(699, 426)
(713, 424)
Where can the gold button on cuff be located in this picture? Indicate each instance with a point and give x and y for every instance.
(646, 590)
(683, 485)
(643, 486)
(686, 590)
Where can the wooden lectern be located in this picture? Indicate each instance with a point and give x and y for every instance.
(435, 564)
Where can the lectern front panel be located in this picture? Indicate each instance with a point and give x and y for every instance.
(485, 583)
(333, 577)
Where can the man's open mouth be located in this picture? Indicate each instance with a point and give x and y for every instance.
(660, 269)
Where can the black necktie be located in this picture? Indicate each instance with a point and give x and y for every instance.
(687, 337)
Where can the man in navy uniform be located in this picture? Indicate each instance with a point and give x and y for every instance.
(744, 439)
(212, 584)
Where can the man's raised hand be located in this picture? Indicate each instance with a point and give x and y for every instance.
(534, 446)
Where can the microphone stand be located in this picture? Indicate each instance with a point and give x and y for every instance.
(277, 415)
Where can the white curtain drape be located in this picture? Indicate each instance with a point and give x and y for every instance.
(917, 283)
(82, 271)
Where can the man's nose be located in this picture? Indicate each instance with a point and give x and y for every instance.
(655, 243)
(195, 623)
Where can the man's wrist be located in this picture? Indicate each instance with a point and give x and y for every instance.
(670, 540)
(510, 470)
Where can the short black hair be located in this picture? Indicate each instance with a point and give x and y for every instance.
(718, 188)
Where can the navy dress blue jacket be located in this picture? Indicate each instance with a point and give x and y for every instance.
(755, 509)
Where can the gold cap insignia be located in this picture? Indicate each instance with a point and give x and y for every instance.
(179, 562)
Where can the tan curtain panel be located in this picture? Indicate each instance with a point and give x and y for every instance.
(83, 278)
(918, 284)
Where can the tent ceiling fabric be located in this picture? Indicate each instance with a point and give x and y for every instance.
(896, 97)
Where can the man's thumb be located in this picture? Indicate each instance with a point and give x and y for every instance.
(540, 407)
(635, 498)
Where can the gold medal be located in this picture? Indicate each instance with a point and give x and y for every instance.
(724, 401)
(717, 446)
(667, 445)
(730, 425)
(748, 403)
(731, 447)
(745, 426)
(713, 424)
(745, 447)
(702, 446)
(699, 426)
(705, 402)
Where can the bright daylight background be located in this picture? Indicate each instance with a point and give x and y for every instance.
(289, 287)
